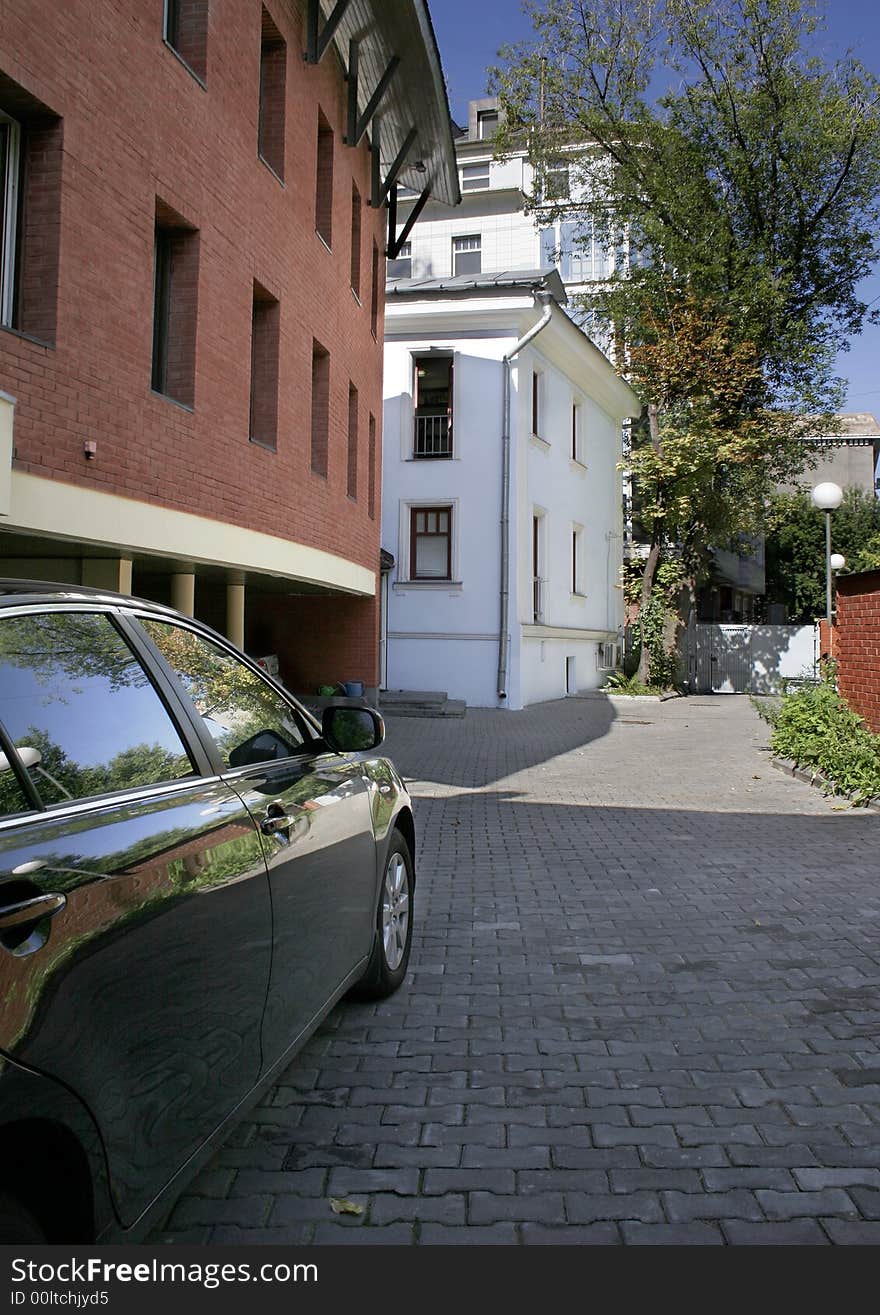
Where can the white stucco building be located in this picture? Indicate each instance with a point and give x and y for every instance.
(501, 491)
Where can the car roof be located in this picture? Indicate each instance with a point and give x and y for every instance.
(13, 593)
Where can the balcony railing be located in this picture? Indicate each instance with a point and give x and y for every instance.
(433, 436)
(537, 598)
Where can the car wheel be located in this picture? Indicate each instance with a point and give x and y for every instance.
(390, 958)
(17, 1224)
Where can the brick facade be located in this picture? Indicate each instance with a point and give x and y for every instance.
(857, 643)
(144, 140)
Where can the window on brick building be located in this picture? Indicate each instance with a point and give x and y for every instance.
(371, 471)
(185, 29)
(273, 76)
(175, 305)
(355, 240)
(374, 292)
(352, 480)
(324, 182)
(265, 323)
(30, 212)
(320, 408)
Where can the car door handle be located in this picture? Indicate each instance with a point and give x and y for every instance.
(30, 910)
(273, 823)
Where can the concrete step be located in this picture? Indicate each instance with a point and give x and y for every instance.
(420, 703)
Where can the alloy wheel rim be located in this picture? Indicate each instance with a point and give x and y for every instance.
(395, 911)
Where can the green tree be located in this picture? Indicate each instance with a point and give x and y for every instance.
(795, 547)
(744, 197)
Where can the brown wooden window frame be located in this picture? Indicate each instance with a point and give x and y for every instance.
(415, 534)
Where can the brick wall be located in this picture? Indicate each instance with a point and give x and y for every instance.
(857, 643)
(136, 126)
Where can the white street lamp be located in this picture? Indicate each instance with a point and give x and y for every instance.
(827, 497)
(838, 561)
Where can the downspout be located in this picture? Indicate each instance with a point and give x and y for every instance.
(546, 300)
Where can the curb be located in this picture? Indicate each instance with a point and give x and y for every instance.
(820, 782)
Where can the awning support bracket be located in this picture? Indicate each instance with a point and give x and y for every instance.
(396, 240)
(318, 38)
(380, 188)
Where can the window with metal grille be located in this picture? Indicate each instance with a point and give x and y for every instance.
(432, 435)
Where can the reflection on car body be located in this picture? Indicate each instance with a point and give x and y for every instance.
(192, 872)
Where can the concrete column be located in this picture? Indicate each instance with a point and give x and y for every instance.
(183, 592)
(235, 614)
(112, 573)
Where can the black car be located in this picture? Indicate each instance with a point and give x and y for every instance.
(193, 871)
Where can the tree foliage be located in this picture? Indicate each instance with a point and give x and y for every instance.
(736, 175)
(795, 547)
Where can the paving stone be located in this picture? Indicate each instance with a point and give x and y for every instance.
(852, 1233)
(526, 1060)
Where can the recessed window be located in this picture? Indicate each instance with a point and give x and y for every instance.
(374, 292)
(538, 581)
(273, 77)
(401, 267)
(352, 478)
(355, 240)
(467, 254)
(186, 31)
(30, 207)
(320, 428)
(487, 124)
(432, 391)
(175, 305)
(556, 181)
(537, 399)
(576, 433)
(577, 561)
(324, 181)
(265, 323)
(431, 543)
(371, 472)
(474, 177)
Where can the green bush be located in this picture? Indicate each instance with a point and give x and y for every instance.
(619, 683)
(816, 728)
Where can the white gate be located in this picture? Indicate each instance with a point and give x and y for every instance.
(748, 659)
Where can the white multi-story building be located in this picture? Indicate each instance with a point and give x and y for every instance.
(501, 489)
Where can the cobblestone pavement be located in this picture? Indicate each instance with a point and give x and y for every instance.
(644, 1006)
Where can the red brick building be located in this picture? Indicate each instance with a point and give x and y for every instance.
(857, 643)
(195, 207)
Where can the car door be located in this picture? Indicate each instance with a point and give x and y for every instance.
(313, 810)
(135, 921)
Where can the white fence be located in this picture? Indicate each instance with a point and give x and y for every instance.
(748, 659)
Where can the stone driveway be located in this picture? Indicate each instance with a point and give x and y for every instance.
(644, 1005)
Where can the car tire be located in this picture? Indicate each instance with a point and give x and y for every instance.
(17, 1224)
(393, 935)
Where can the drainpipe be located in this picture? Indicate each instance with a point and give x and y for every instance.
(544, 299)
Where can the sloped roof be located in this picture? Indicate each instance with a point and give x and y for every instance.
(506, 280)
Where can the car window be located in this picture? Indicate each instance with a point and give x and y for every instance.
(12, 798)
(248, 719)
(80, 709)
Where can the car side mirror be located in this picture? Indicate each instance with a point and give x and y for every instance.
(352, 730)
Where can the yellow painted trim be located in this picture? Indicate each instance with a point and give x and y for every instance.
(48, 506)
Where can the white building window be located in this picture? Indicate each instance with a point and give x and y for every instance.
(577, 446)
(430, 549)
(537, 402)
(401, 267)
(487, 124)
(10, 174)
(467, 254)
(579, 249)
(475, 177)
(539, 550)
(577, 560)
(432, 390)
(557, 184)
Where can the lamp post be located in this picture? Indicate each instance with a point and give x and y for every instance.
(827, 497)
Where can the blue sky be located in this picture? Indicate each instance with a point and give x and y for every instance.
(469, 35)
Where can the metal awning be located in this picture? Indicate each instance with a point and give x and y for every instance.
(396, 96)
